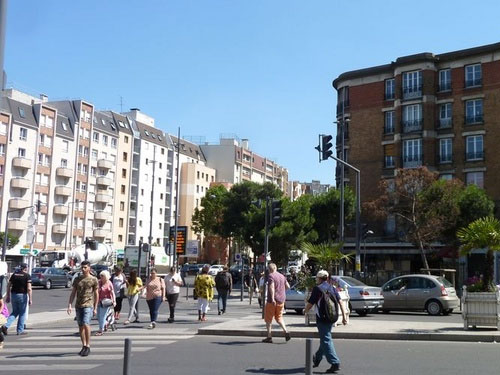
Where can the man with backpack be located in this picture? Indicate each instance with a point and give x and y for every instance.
(327, 302)
(223, 284)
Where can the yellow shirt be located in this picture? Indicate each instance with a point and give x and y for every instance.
(134, 289)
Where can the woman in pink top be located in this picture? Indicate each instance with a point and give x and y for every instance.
(155, 295)
(106, 299)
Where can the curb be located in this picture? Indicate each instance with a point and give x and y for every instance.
(413, 336)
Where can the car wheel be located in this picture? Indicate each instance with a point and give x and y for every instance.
(386, 311)
(48, 284)
(362, 312)
(434, 307)
(447, 311)
(299, 311)
(68, 284)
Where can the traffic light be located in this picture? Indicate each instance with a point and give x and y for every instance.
(326, 146)
(275, 212)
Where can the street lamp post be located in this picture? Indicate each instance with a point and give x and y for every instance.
(365, 268)
(68, 225)
(175, 260)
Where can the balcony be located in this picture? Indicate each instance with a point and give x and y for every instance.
(473, 82)
(412, 92)
(61, 209)
(101, 215)
(17, 224)
(64, 172)
(412, 161)
(63, 190)
(100, 232)
(475, 119)
(412, 126)
(18, 203)
(475, 155)
(20, 183)
(444, 123)
(103, 198)
(20, 162)
(106, 181)
(59, 228)
(104, 164)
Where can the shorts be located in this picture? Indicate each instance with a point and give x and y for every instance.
(275, 311)
(84, 315)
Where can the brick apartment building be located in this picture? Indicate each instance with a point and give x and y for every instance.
(439, 111)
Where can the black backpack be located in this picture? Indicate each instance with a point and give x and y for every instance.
(328, 307)
(222, 281)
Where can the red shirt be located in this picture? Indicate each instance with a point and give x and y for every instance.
(279, 282)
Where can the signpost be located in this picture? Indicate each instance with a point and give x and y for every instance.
(192, 249)
(181, 239)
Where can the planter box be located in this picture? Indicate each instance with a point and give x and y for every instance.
(311, 315)
(481, 309)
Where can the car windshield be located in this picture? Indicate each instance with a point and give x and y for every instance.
(352, 281)
(445, 282)
(39, 270)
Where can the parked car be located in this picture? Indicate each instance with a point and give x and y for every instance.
(235, 272)
(215, 269)
(362, 298)
(295, 300)
(433, 294)
(190, 269)
(49, 277)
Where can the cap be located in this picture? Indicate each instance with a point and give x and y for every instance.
(322, 274)
(23, 266)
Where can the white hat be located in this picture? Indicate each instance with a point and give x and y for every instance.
(322, 274)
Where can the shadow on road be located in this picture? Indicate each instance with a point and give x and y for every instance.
(239, 343)
(298, 370)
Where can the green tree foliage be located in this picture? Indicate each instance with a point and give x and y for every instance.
(483, 233)
(13, 240)
(326, 255)
(210, 218)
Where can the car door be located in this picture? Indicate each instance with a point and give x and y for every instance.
(416, 293)
(394, 293)
(61, 277)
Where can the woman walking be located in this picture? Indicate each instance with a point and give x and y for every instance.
(173, 282)
(106, 300)
(134, 287)
(119, 285)
(204, 289)
(155, 295)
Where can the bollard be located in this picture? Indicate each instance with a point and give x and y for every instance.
(309, 357)
(187, 291)
(126, 357)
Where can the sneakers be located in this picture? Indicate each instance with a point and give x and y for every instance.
(287, 336)
(170, 320)
(126, 322)
(23, 333)
(268, 340)
(316, 362)
(152, 325)
(332, 370)
(85, 351)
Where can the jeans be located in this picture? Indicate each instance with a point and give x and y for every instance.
(84, 315)
(172, 300)
(19, 303)
(326, 344)
(101, 316)
(132, 301)
(222, 297)
(154, 306)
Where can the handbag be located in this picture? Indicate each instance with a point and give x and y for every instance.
(106, 302)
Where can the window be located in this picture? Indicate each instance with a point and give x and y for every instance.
(120, 238)
(64, 163)
(389, 156)
(1, 169)
(474, 111)
(446, 176)
(389, 122)
(445, 150)
(445, 80)
(473, 75)
(474, 148)
(3, 128)
(476, 178)
(21, 112)
(124, 156)
(124, 173)
(65, 147)
(390, 89)
(105, 140)
(21, 152)
(198, 174)
(94, 154)
(122, 189)
(412, 118)
(95, 137)
(412, 153)
(125, 139)
(2, 149)
(120, 222)
(445, 113)
(412, 85)
(122, 206)
(114, 142)
(23, 134)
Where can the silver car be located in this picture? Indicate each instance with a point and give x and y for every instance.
(295, 300)
(362, 298)
(434, 294)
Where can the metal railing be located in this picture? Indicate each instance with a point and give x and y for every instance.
(412, 92)
(473, 82)
(389, 161)
(412, 161)
(412, 126)
(444, 123)
(446, 158)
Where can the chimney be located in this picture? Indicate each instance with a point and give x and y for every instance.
(44, 98)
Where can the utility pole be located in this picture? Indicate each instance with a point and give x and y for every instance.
(178, 173)
(266, 253)
(151, 215)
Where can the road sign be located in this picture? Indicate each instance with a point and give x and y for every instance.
(192, 248)
(181, 238)
(237, 257)
(24, 251)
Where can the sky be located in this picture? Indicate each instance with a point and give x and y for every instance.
(259, 69)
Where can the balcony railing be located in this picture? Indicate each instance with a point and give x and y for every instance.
(475, 155)
(388, 129)
(412, 126)
(412, 161)
(473, 82)
(389, 162)
(412, 92)
(444, 123)
(444, 86)
(445, 158)
(389, 95)
(474, 119)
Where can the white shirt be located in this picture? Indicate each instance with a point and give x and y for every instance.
(172, 288)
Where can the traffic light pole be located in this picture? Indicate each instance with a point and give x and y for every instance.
(266, 253)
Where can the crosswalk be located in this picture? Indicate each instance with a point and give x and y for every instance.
(56, 350)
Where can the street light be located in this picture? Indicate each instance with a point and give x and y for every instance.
(68, 204)
(365, 268)
(341, 124)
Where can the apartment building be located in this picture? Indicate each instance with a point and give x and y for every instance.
(235, 162)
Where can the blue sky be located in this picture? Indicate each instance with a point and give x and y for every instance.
(261, 69)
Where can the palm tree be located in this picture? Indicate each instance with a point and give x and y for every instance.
(482, 233)
(327, 255)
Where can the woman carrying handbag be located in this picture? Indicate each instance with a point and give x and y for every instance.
(106, 300)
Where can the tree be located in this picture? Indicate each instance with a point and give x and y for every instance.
(11, 240)
(482, 233)
(209, 219)
(327, 255)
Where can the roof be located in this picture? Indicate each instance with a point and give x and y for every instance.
(22, 113)
(122, 121)
(103, 121)
(153, 135)
(189, 149)
(64, 126)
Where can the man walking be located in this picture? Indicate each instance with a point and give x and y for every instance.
(223, 284)
(323, 324)
(87, 296)
(250, 284)
(19, 292)
(276, 287)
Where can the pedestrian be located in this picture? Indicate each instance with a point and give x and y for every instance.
(276, 287)
(250, 284)
(204, 289)
(134, 287)
(155, 295)
(106, 301)
(19, 293)
(223, 284)
(262, 281)
(86, 290)
(173, 283)
(4, 312)
(323, 324)
(119, 286)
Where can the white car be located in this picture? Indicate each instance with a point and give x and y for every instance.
(363, 298)
(215, 269)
